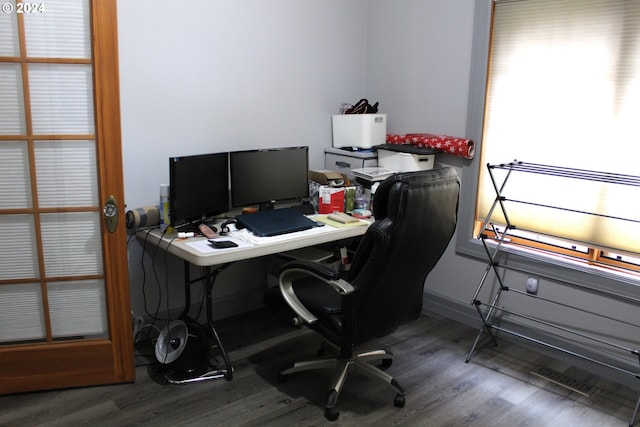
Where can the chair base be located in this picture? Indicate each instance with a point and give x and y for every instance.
(360, 363)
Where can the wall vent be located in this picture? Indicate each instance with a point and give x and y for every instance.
(563, 380)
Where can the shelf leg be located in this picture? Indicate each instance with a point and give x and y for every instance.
(473, 347)
(635, 413)
(486, 327)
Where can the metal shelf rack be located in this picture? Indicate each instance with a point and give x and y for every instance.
(499, 235)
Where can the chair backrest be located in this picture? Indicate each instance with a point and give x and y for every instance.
(416, 215)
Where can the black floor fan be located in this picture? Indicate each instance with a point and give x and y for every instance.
(184, 347)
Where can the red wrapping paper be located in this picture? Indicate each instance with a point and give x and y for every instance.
(447, 144)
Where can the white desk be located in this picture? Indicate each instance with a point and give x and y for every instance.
(196, 251)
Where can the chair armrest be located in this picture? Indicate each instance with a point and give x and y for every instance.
(322, 272)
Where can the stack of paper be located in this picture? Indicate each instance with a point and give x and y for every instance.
(373, 173)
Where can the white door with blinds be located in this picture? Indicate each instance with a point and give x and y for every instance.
(54, 288)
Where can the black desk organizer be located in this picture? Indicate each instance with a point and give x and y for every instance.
(490, 312)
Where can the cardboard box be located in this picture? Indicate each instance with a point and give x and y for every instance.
(359, 130)
(324, 176)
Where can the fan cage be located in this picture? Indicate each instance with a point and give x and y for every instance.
(166, 349)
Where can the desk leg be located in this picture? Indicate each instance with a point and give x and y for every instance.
(187, 292)
(209, 277)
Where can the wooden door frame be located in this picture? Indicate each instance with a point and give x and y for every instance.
(108, 136)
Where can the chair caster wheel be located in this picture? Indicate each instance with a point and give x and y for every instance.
(331, 414)
(399, 401)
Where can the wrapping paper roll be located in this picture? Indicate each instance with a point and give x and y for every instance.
(447, 144)
(146, 216)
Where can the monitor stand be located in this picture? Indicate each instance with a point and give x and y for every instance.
(267, 206)
(305, 208)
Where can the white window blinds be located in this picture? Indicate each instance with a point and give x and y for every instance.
(43, 35)
(9, 43)
(51, 258)
(12, 120)
(61, 98)
(564, 90)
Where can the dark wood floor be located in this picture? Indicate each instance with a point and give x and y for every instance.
(495, 389)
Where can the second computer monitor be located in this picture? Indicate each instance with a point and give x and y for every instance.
(266, 176)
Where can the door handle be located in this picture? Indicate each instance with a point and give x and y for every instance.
(111, 214)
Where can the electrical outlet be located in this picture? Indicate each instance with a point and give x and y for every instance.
(532, 286)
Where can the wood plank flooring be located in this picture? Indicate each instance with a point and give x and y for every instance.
(495, 389)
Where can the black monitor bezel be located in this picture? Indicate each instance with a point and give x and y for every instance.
(206, 179)
(267, 202)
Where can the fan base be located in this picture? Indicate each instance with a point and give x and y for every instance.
(179, 377)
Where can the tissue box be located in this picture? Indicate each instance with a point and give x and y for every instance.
(359, 130)
(330, 199)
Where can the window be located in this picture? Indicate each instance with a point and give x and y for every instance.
(563, 88)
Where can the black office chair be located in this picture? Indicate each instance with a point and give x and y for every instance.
(416, 214)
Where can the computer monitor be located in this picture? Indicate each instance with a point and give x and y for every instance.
(266, 176)
(198, 187)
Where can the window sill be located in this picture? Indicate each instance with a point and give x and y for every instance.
(607, 281)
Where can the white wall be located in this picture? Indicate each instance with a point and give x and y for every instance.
(418, 64)
(418, 59)
(205, 76)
